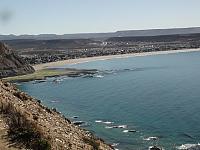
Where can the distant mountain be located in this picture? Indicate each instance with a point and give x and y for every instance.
(159, 38)
(11, 64)
(158, 32)
(128, 33)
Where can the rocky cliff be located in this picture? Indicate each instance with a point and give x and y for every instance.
(11, 64)
(34, 126)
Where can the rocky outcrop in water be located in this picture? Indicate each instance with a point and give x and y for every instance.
(154, 148)
(34, 126)
(11, 64)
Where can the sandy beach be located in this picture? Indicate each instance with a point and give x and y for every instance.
(89, 59)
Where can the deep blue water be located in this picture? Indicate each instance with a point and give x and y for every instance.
(155, 95)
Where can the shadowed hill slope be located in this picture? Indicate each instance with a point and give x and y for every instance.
(11, 64)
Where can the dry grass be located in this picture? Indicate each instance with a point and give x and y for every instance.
(42, 74)
(38, 75)
(21, 132)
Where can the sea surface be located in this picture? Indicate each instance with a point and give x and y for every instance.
(152, 96)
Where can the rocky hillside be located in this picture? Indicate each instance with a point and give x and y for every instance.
(31, 125)
(11, 64)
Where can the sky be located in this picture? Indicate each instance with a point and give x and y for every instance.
(88, 16)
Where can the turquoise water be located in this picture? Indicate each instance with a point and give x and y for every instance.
(158, 96)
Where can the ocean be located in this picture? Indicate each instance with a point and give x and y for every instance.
(132, 103)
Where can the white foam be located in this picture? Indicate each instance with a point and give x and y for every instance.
(55, 101)
(104, 122)
(98, 121)
(125, 131)
(122, 126)
(189, 146)
(155, 147)
(108, 127)
(99, 76)
(151, 138)
(18, 84)
(115, 144)
(108, 122)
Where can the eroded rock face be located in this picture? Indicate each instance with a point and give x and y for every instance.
(11, 64)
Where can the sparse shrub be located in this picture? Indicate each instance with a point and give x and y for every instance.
(21, 95)
(21, 131)
(35, 117)
(30, 138)
(42, 145)
(92, 142)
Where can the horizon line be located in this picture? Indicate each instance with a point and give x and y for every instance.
(101, 32)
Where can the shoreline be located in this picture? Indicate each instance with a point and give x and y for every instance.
(97, 58)
(40, 75)
(32, 125)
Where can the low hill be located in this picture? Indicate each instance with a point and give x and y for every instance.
(51, 44)
(161, 38)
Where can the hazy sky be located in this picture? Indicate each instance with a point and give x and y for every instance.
(79, 16)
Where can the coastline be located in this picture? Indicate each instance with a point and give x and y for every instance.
(43, 71)
(96, 58)
(31, 125)
(50, 72)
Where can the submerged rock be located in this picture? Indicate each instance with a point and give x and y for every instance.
(154, 148)
(131, 131)
(119, 126)
(78, 123)
(153, 138)
(74, 117)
